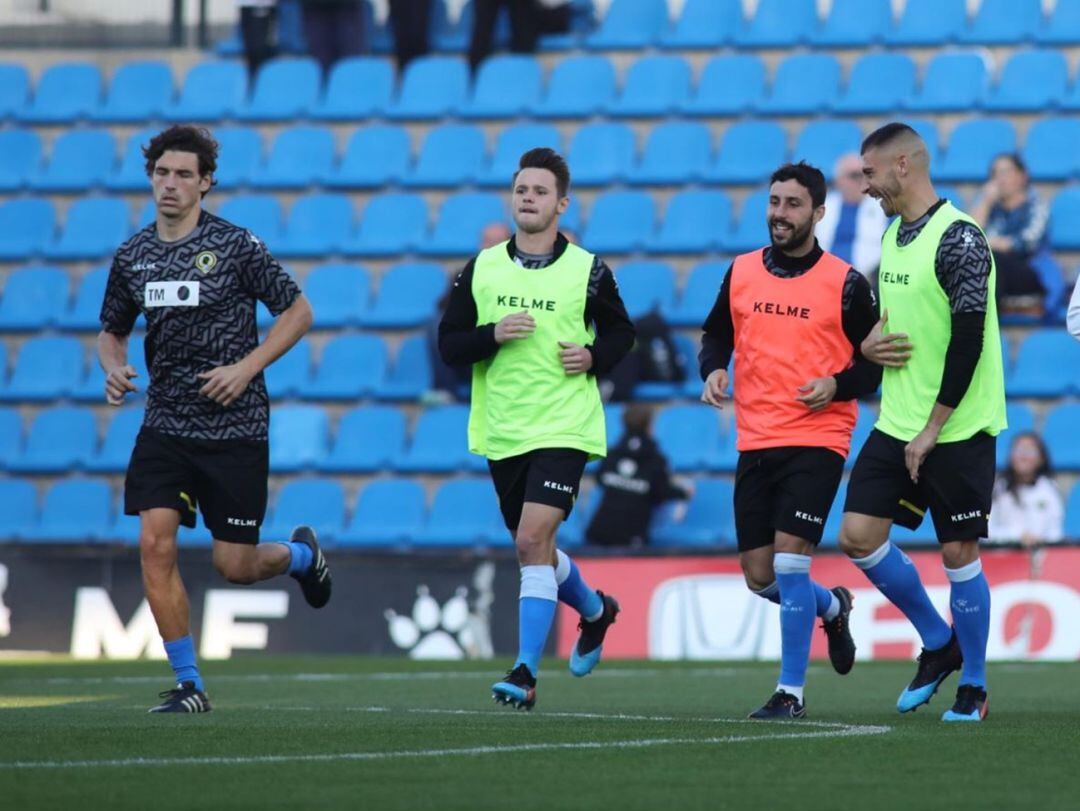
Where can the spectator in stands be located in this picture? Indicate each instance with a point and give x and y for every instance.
(1027, 505)
(333, 28)
(492, 235)
(258, 24)
(411, 21)
(1073, 318)
(853, 222)
(1015, 221)
(654, 359)
(636, 480)
(525, 19)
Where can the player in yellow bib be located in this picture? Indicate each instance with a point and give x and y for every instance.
(538, 319)
(942, 407)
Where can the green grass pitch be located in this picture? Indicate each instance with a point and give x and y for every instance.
(386, 734)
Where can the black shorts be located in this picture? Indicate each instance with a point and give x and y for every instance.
(225, 479)
(956, 483)
(784, 490)
(549, 476)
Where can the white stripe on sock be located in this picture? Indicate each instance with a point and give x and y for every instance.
(770, 591)
(964, 573)
(791, 690)
(789, 563)
(874, 558)
(562, 567)
(539, 582)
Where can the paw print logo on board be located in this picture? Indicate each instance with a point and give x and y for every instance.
(433, 631)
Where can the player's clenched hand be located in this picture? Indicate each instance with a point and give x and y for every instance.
(575, 358)
(225, 384)
(118, 383)
(915, 452)
(715, 388)
(886, 349)
(817, 393)
(514, 326)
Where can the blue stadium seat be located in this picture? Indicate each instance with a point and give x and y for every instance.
(1061, 435)
(703, 24)
(33, 299)
(778, 24)
(465, 512)
(391, 224)
(804, 84)
(47, 368)
(290, 374)
(854, 24)
(579, 86)
(439, 443)
(131, 175)
(972, 147)
(300, 156)
(709, 519)
(728, 85)
(339, 294)
(822, 142)
(452, 155)
(75, 511)
(368, 439)
(388, 511)
(319, 224)
(512, 143)
(59, 440)
(65, 93)
(212, 90)
(1072, 508)
(694, 222)
(677, 152)
(879, 83)
(689, 435)
(411, 376)
(14, 89)
(115, 450)
(655, 86)
(406, 297)
(750, 231)
(1050, 149)
(698, 295)
(602, 153)
(749, 152)
(259, 213)
(20, 158)
(139, 91)
(18, 503)
(928, 23)
(629, 25)
(375, 156)
(359, 88)
(952, 82)
(11, 432)
(1065, 220)
(26, 226)
(433, 87)
(645, 286)
(1020, 418)
(285, 89)
(462, 217)
(620, 222)
(1062, 27)
(95, 227)
(1032, 81)
(506, 87)
(240, 156)
(318, 503)
(1047, 365)
(351, 367)
(91, 386)
(299, 437)
(80, 159)
(1003, 22)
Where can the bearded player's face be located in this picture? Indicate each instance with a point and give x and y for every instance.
(791, 216)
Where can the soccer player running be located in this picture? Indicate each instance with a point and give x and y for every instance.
(794, 316)
(203, 442)
(942, 405)
(539, 319)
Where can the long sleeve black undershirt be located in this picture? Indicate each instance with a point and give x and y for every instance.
(463, 341)
(858, 316)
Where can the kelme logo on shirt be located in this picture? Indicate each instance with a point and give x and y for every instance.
(526, 303)
(206, 261)
(885, 277)
(776, 308)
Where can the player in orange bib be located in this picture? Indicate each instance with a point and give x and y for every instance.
(793, 316)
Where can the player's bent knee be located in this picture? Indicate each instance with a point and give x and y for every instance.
(237, 572)
(157, 551)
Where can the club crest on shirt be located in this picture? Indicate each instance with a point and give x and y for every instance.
(206, 261)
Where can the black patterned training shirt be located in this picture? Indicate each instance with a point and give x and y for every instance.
(198, 295)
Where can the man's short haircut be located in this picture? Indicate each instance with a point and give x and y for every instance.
(883, 136)
(807, 176)
(544, 157)
(184, 138)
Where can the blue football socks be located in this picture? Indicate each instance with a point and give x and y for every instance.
(826, 604)
(895, 576)
(798, 608)
(574, 591)
(181, 653)
(300, 557)
(969, 599)
(536, 612)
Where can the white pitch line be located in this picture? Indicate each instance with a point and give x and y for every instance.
(846, 732)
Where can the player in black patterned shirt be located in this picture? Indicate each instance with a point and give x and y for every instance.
(203, 443)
